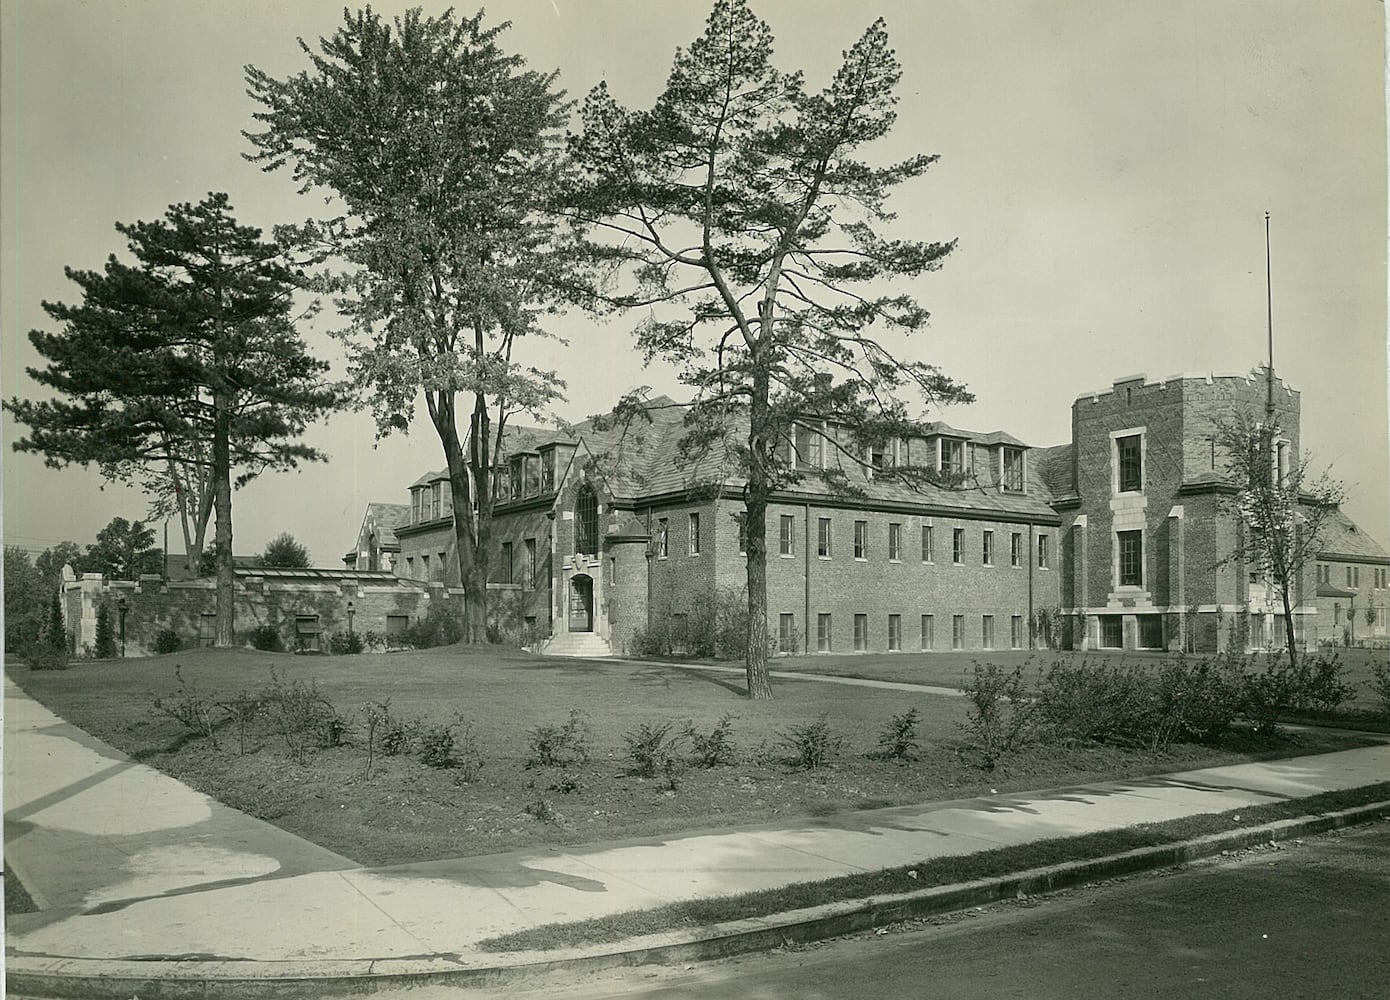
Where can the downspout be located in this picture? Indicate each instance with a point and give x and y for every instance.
(1032, 558)
(806, 578)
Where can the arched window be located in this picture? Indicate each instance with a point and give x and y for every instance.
(586, 522)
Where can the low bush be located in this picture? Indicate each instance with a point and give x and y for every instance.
(452, 745)
(441, 626)
(810, 746)
(1312, 684)
(242, 710)
(345, 644)
(653, 749)
(375, 716)
(1000, 718)
(1197, 700)
(42, 656)
(1380, 687)
(195, 711)
(1087, 702)
(560, 745)
(266, 639)
(714, 748)
(166, 640)
(898, 739)
(398, 736)
(301, 714)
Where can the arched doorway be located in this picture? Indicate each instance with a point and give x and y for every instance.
(581, 616)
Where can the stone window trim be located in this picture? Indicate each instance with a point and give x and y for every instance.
(1135, 474)
(928, 544)
(663, 538)
(694, 532)
(1129, 559)
(1043, 554)
(895, 633)
(861, 541)
(958, 546)
(824, 546)
(895, 542)
(1016, 550)
(786, 537)
(987, 547)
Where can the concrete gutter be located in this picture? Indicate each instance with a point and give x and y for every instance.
(181, 977)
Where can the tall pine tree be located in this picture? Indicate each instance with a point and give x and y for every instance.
(740, 215)
(189, 354)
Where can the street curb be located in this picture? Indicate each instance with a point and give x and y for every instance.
(178, 978)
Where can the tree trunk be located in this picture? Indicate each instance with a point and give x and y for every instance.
(471, 556)
(755, 528)
(222, 504)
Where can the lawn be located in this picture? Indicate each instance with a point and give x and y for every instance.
(407, 811)
(953, 669)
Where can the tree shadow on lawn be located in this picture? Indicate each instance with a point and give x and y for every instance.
(647, 675)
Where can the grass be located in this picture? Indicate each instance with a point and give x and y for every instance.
(925, 874)
(408, 812)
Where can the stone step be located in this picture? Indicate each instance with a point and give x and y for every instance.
(586, 644)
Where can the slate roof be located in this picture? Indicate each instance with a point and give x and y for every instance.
(387, 517)
(1341, 537)
(641, 459)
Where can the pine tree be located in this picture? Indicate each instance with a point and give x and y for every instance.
(106, 634)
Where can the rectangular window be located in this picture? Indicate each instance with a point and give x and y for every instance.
(808, 447)
(533, 475)
(504, 564)
(1013, 470)
(663, 538)
(1042, 552)
(895, 632)
(1356, 576)
(823, 537)
(958, 631)
(958, 546)
(1151, 631)
(518, 476)
(396, 626)
(861, 632)
(612, 571)
(694, 534)
(785, 535)
(1130, 463)
(207, 630)
(1112, 631)
(410, 567)
(1131, 544)
(786, 633)
(414, 506)
(1016, 549)
(441, 568)
(987, 553)
(861, 539)
(1348, 576)
(548, 471)
(987, 631)
(928, 632)
(927, 547)
(307, 631)
(528, 570)
(952, 457)
(1016, 632)
(823, 633)
(425, 567)
(895, 542)
(741, 518)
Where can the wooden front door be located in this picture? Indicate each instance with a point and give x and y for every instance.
(581, 604)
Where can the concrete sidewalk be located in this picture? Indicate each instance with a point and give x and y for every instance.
(139, 875)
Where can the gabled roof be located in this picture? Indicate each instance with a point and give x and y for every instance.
(386, 518)
(1341, 537)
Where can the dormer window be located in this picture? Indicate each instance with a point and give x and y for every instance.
(952, 460)
(808, 447)
(533, 474)
(1012, 480)
(518, 474)
(548, 471)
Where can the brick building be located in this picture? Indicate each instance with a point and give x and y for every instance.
(1117, 539)
(1352, 571)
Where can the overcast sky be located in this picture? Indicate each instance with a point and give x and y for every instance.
(1105, 165)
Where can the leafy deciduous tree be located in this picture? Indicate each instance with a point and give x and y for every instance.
(739, 211)
(192, 343)
(440, 147)
(124, 550)
(1280, 506)
(283, 552)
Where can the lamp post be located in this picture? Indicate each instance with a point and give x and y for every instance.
(122, 607)
(351, 612)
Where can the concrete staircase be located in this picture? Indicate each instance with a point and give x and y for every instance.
(589, 645)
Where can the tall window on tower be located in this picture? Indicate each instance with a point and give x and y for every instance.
(1131, 545)
(586, 522)
(1129, 460)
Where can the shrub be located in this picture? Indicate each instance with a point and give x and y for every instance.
(714, 748)
(345, 644)
(561, 745)
(167, 641)
(567, 783)
(398, 736)
(440, 627)
(241, 711)
(811, 745)
(437, 745)
(1098, 703)
(1314, 683)
(106, 634)
(452, 744)
(375, 715)
(653, 749)
(1197, 700)
(999, 717)
(266, 639)
(299, 713)
(190, 707)
(1380, 687)
(898, 739)
(42, 656)
(542, 810)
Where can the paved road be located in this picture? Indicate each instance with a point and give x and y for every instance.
(1304, 921)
